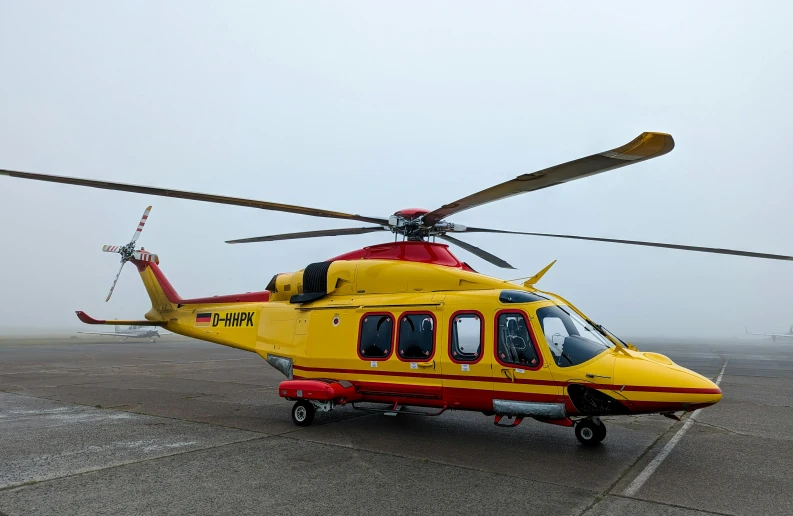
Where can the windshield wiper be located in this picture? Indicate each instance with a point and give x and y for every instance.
(603, 331)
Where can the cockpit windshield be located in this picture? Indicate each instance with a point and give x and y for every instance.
(570, 337)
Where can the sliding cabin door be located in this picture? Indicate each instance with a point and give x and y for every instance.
(467, 352)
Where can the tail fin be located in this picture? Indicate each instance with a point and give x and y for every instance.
(164, 298)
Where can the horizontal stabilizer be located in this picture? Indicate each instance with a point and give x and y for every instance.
(87, 319)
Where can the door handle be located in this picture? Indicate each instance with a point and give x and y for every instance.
(590, 375)
(427, 364)
(509, 373)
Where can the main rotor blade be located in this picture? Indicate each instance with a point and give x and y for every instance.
(481, 253)
(141, 224)
(307, 234)
(195, 196)
(113, 286)
(714, 250)
(646, 146)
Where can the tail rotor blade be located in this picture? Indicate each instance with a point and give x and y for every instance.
(141, 224)
(145, 256)
(111, 248)
(114, 282)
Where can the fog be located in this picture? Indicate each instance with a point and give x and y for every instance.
(369, 108)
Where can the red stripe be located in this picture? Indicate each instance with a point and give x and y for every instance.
(523, 381)
(173, 297)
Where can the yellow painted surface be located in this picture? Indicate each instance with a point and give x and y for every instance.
(321, 337)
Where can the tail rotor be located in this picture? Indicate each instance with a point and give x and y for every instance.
(128, 252)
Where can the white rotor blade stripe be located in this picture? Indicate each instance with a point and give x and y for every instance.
(114, 282)
(111, 248)
(141, 224)
(144, 256)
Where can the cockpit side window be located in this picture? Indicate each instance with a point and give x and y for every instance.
(571, 339)
(515, 343)
(416, 340)
(376, 336)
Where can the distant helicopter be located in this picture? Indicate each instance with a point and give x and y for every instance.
(407, 324)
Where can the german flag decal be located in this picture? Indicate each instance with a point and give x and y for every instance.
(203, 319)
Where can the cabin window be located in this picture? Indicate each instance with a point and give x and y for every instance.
(466, 340)
(515, 345)
(416, 336)
(376, 337)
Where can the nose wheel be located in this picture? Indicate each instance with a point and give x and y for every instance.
(590, 431)
(303, 413)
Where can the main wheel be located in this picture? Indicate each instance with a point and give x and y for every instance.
(601, 431)
(303, 413)
(589, 433)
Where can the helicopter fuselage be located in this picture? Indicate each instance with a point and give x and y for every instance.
(415, 333)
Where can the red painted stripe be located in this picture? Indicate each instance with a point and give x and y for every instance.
(482, 399)
(173, 297)
(523, 381)
(425, 395)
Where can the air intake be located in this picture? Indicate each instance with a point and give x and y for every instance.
(315, 283)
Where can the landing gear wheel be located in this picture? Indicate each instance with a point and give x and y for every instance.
(303, 413)
(589, 432)
(601, 432)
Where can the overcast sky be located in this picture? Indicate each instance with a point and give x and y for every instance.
(372, 107)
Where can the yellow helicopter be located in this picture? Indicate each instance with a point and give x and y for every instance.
(409, 328)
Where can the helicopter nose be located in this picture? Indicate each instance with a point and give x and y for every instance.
(653, 383)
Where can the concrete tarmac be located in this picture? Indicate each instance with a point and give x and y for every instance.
(90, 426)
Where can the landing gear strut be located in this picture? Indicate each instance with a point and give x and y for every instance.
(590, 431)
(303, 413)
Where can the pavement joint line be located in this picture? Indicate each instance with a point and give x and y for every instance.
(650, 468)
(744, 434)
(252, 385)
(596, 500)
(602, 496)
(131, 462)
(150, 374)
(711, 425)
(263, 434)
(162, 362)
(678, 506)
(132, 411)
(288, 435)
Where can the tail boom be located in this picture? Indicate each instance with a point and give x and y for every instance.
(230, 320)
(166, 290)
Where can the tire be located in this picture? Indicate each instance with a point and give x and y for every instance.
(589, 433)
(601, 432)
(303, 413)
